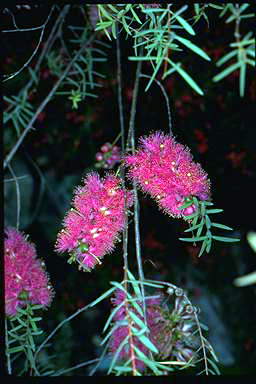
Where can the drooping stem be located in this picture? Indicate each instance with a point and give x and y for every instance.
(121, 117)
(18, 196)
(6, 349)
(166, 99)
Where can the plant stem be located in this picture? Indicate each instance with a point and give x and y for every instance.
(6, 347)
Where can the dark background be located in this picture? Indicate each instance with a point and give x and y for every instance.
(219, 129)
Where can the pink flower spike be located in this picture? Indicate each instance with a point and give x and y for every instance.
(165, 169)
(24, 274)
(92, 227)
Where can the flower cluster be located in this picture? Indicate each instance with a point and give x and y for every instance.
(25, 277)
(165, 169)
(171, 326)
(108, 156)
(92, 226)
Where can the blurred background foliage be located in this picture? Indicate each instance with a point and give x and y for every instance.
(219, 129)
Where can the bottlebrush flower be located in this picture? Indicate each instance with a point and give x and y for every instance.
(165, 169)
(122, 331)
(25, 277)
(92, 226)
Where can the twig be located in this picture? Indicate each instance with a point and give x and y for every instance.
(58, 327)
(121, 117)
(35, 51)
(44, 103)
(167, 101)
(17, 194)
(75, 367)
(6, 349)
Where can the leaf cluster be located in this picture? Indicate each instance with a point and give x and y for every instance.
(202, 224)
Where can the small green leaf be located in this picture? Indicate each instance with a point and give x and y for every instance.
(242, 79)
(146, 360)
(222, 226)
(102, 297)
(136, 319)
(225, 239)
(193, 228)
(193, 47)
(202, 248)
(185, 25)
(243, 281)
(193, 239)
(115, 310)
(207, 222)
(226, 72)
(214, 210)
(144, 340)
(15, 349)
(186, 77)
(226, 57)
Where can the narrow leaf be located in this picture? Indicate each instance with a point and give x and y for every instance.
(102, 297)
(186, 77)
(222, 226)
(242, 79)
(225, 239)
(15, 349)
(226, 57)
(202, 248)
(214, 210)
(193, 47)
(193, 239)
(136, 319)
(185, 25)
(226, 72)
(144, 340)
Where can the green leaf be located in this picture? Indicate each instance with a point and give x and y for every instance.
(209, 244)
(199, 231)
(146, 360)
(187, 78)
(144, 340)
(222, 226)
(135, 285)
(185, 25)
(193, 228)
(136, 319)
(242, 79)
(251, 238)
(15, 349)
(193, 239)
(243, 8)
(207, 222)
(226, 72)
(202, 248)
(243, 281)
(193, 47)
(226, 57)
(115, 310)
(214, 210)
(102, 297)
(225, 239)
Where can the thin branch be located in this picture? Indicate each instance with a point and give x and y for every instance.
(58, 327)
(167, 101)
(35, 51)
(61, 372)
(17, 194)
(121, 117)
(6, 347)
(44, 103)
(131, 140)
